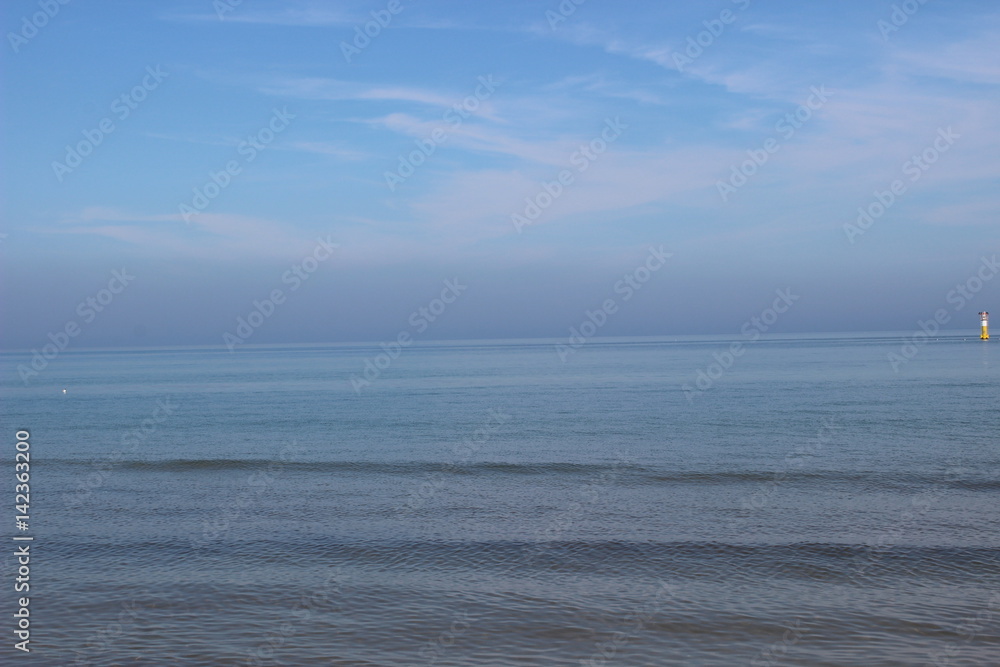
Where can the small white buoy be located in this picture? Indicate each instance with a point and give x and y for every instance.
(64, 391)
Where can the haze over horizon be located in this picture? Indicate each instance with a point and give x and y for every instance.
(544, 155)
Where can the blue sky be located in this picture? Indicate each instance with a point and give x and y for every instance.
(645, 125)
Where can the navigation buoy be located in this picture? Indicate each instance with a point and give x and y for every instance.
(985, 319)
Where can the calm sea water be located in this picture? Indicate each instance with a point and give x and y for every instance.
(490, 504)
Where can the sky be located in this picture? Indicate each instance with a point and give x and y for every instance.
(512, 168)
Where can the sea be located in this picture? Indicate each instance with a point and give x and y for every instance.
(794, 500)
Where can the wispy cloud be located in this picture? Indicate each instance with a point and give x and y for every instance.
(973, 60)
(607, 85)
(311, 15)
(210, 235)
(586, 34)
(499, 140)
(690, 127)
(325, 148)
(319, 88)
(618, 181)
(980, 212)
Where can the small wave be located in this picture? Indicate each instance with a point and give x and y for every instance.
(370, 467)
(847, 562)
(622, 474)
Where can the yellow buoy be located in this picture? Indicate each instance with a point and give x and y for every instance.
(985, 319)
